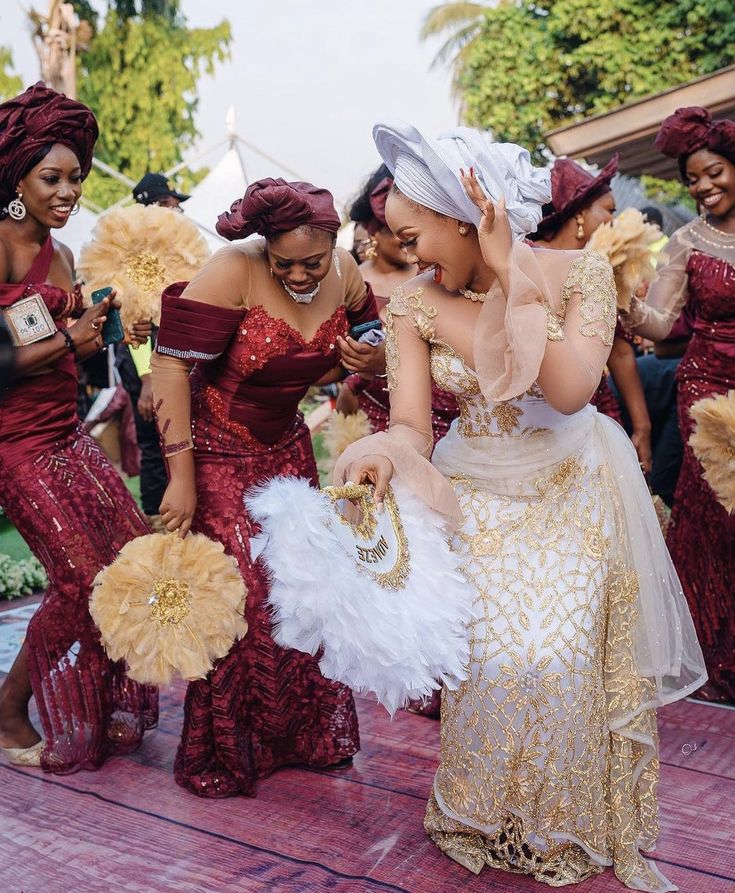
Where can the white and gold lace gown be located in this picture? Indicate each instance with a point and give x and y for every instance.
(549, 750)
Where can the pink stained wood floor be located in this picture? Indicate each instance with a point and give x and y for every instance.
(129, 829)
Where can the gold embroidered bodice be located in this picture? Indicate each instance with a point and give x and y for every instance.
(524, 416)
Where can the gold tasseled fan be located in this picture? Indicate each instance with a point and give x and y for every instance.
(626, 242)
(167, 605)
(139, 250)
(713, 442)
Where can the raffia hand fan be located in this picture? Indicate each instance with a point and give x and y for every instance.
(169, 606)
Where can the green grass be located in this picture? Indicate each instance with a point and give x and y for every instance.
(11, 542)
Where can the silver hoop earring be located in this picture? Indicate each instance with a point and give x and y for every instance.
(16, 208)
(75, 210)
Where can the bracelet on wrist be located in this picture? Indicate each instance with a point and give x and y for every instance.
(70, 343)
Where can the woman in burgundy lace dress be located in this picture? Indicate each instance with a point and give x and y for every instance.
(700, 276)
(258, 325)
(385, 271)
(55, 484)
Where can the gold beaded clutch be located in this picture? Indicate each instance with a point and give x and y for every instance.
(169, 606)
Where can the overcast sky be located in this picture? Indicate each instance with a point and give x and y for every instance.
(307, 79)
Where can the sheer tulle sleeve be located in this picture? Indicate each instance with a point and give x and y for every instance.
(198, 321)
(408, 442)
(555, 327)
(667, 294)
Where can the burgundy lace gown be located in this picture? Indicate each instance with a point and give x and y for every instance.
(701, 536)
(262, 706)
(75, 513)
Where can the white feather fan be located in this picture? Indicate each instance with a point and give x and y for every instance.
(383, 600)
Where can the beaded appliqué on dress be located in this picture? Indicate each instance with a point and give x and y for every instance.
(269, 336)
(592, 276)
(553, 664)
(402, 304)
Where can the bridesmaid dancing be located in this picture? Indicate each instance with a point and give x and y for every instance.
(57, 487)
(699, 277)
(258, 326)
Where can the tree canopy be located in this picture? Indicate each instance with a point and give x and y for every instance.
(10, 84)
(140, 76)
(535, 65)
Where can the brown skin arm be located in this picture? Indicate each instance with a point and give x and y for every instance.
(624, 371)
(85, 333)
(334, 375)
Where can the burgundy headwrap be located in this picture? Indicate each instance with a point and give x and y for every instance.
(378, 198)
(572, 189)
(692, 128)
(272, 206)
(39, 117)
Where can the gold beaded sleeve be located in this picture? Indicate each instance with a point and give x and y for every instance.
(592, 276)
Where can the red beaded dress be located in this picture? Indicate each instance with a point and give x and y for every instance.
(700, 275)
(75, 513)
(262, 706)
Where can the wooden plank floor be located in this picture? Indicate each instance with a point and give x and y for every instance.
(129, 829)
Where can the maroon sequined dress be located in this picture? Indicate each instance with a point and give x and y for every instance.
(262, 706)
(701, 535)
(75, 513)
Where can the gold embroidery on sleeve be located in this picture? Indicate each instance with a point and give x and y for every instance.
(592, 276)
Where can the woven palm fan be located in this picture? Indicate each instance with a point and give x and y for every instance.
(139, 250)
(713, 442)
(626, 242)
(167, 605)
(379, 597)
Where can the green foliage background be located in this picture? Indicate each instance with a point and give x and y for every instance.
(535, 65)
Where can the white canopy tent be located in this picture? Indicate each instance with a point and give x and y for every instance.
(241, 164)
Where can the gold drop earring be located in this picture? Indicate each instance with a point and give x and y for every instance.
(580, 227)
(371, 252)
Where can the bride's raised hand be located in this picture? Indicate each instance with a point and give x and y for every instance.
(496, 239)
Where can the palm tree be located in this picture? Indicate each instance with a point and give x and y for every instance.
(463, 22)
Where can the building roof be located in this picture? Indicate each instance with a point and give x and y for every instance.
(631, 129)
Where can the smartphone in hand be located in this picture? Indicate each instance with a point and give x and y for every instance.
(112, 330)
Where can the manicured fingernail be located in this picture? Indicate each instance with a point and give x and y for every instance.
(379, 506)
(461, 171)
(472, 172)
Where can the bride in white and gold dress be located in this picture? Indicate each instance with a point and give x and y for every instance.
(549, 751)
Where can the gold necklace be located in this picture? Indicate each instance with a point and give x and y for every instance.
(727, 238)
(476, 296)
